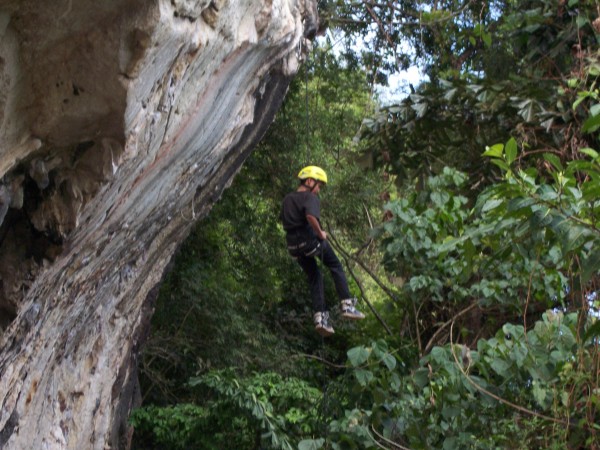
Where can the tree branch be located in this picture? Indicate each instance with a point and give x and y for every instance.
(445, 324)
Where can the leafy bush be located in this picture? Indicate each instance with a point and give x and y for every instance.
(530, 384)
(517, 389)
(171, 427)
(263, 411)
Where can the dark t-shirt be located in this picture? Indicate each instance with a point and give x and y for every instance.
(296, 205)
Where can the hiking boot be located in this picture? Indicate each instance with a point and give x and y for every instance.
(322, 323)
(349, 310)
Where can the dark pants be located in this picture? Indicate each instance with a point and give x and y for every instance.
(315, 279)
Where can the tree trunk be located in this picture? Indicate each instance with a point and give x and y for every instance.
(121, 122)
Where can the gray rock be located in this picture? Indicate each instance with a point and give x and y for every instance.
(118, 115)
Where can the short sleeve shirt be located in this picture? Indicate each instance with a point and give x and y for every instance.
(296, 206)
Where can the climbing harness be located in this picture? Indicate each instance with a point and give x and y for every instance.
(304, 248)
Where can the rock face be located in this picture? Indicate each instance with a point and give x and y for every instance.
(121, 122)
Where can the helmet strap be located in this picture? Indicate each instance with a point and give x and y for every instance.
(314, 185)
(310, 189)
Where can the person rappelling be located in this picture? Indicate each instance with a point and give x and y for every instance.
(306, 240)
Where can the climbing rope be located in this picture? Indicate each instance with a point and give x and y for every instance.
(306, 108)
(346, 256)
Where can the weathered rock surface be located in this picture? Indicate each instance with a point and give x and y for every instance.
(121, 122)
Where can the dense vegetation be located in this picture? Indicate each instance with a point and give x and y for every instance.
(467, 216)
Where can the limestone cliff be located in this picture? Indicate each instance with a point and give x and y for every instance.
(121, 122)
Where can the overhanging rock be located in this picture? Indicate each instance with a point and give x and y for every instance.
(121, 122)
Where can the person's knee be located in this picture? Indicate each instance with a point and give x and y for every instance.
(314, 274)
(336, 266)
(315, 277)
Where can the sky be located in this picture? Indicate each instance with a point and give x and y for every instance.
(399, 85)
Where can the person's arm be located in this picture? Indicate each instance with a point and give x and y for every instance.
(316, 226)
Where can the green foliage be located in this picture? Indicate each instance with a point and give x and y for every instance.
(167, 426)
(528, 243)
(372, 377)
(262, 409)
(519, 389)
(204, 308)
(444, 36)
(451, 257)
(274, 408)
(517, 89)
(560, 206)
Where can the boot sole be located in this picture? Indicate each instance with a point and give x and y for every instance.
(323, 332)
(352, 317)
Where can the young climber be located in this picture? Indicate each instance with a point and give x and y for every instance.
(307, 242)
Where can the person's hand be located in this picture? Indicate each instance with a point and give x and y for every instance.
(323, 236)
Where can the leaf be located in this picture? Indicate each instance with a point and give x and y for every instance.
(521, 203)
(380, 347)
(573, 238)
(492, 203)
(448, 412)
(389, 361)
(591, 266)
(499, 366)
(311, 444)
(363, 376)
(582, 21)
(501, 164)
(527, 109)
(577, 102)
(590, 152)
(591, 191)
(449, 95)
(195, 381)
(421, 377)
(358, 355)
(495, 151)
(420, 109)
(539, 393)
(510, 150)
(547, 124)
(592, 332)
(475, 88)
(591, 124)
(583, 166)
(487, 39)
(519, 355)
(554, 160)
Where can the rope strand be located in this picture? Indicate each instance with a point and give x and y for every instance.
(307, 112)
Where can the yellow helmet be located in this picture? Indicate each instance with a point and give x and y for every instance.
(313, 172)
